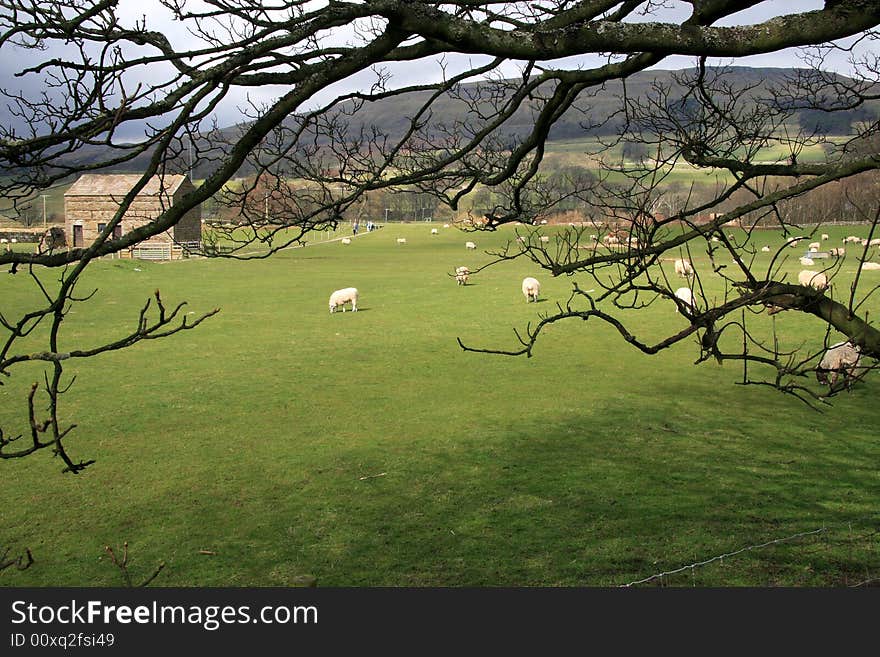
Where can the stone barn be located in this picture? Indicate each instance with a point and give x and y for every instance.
(92, 201)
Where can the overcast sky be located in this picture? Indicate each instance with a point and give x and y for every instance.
(159, 19)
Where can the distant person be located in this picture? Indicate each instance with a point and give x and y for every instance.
(354, 228)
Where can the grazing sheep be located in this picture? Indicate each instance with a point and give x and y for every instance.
(686, 295)
(545, 239)
(874, 242)
(814, 246)
(461, 275)
(346, 240)
(815, 279)
(836, 251)
(610, 240)
(342, 297)
(520, 239)
(470, 245)
(401, 240)
(839, 359)
(793, 241)
(434, 231)
(446, 225)
(853, 239)
(594, 238)
(683, 267)
(868, 266)
(807, 262)
(765, 249)
(543, 222)
(530, 288)
(824, 236)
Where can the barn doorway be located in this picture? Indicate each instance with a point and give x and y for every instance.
(78, 236)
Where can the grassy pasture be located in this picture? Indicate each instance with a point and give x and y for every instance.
(367, 449)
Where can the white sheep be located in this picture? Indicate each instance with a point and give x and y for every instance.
(530, 288)
(342, 297)
(815, 279)
(874, 242)
(824, 236)
(814, 246)
(461, 275)
(401, 240)
(869, 266)
(807, 262)
(610, 240)
(686, 295)
(470, 245)
(793, 241)
(446, 225)
(839, 359)
(683, 267)
(765, 249)
(346, 240)
(837, 251)
(434, 231)
(545, 239)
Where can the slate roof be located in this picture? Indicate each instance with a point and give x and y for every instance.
(119, 184)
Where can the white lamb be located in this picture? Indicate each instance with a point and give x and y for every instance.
(765, 249)
(807, 262)
(683, 268)
(545, 239)
(446, 225)
(401, 240)
(842, 358)
(824, 236)
(815, 279)
(346, 240)
(837, 251)
(868, 266)
(686, 295)
(461, 275)
(434, 231)
(530, 288)
(874, 242)
(470, 245)
(814, 246)
(342, 297)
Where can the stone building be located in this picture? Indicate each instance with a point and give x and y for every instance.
(92, 201)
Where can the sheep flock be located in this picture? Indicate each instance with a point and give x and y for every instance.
(841, 361)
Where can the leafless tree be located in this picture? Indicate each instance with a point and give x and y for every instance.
(313, 155)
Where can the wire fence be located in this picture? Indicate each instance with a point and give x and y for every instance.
(829, 540)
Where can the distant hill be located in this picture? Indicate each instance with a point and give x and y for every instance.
(596, 108)
(594, 114)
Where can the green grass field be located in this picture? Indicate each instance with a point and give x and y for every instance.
(278, 440)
